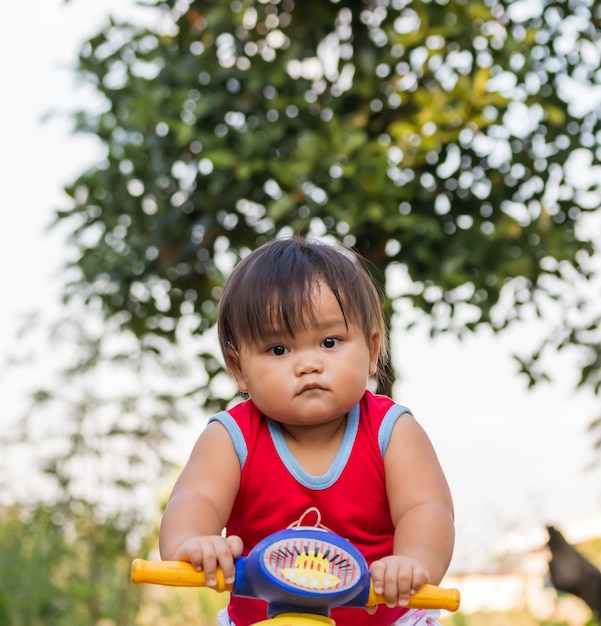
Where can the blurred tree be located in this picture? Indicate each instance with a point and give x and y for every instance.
(96, 430)
(438, 137)
(58, 570)
(28, 595)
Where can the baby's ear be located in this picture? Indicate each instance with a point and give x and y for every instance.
(232, 362)
(374, 352)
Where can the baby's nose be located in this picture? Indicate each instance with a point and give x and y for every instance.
(308, 363)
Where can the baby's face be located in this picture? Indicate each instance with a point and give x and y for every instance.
(315, 376)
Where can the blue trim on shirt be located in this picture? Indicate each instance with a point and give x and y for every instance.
(229, 423)
(390, 419)
(340, 460)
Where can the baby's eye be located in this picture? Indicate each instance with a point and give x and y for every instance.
(330, 342)
(278, 350)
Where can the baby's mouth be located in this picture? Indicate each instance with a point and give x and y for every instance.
(311, 387)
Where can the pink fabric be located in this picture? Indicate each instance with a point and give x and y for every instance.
(415, 617)
(418, 617)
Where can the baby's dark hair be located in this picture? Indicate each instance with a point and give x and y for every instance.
(270, 291)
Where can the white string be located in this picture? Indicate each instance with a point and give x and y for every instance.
(300, 522)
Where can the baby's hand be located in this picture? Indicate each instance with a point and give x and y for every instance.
(206, 553)
(397, 577)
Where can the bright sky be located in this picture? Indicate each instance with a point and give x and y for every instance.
(514, 458)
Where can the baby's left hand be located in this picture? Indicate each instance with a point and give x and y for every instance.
(397, 577)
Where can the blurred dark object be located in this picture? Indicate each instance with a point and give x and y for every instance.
(572, 573)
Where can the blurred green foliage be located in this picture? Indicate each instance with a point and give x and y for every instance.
(437, 137)
(65, 570)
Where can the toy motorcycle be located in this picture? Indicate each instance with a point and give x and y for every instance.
(301, 573)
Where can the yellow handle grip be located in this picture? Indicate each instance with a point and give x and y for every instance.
(174, 574)
(426, 597)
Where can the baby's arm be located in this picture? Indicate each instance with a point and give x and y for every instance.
(199, 506)
(422, 511)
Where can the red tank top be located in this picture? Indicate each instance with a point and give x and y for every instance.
(275, 492)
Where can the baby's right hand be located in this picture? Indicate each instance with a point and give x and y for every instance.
(206, 553)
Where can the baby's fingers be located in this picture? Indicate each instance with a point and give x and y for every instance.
(397, 586)
(235, 544)
(397, 578)
(384, 581)
(193, 552)
(403, 595)
(206, 554)
(377, 572)
(227, 551)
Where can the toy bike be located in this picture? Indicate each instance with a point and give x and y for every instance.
(301, 573)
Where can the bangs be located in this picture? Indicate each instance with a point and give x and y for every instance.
(276, 297)
(271, 292)
(275, 308)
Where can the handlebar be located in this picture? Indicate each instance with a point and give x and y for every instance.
(181, 574)
(174, 574)
(302, 569)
